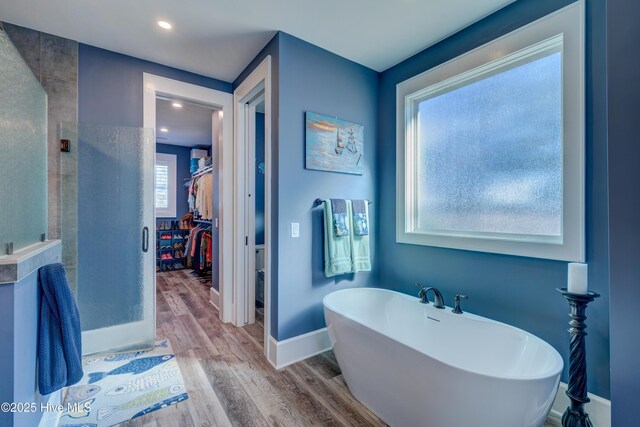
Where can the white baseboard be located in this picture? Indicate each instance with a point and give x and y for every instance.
(292, 350)
(214, 298)
(599, 409)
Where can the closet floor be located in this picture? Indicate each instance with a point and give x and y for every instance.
(229, 381)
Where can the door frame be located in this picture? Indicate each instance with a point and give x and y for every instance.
(248, 92)
(250, 212)
(153, 86)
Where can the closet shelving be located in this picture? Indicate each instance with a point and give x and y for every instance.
(206, 169)
(165, 244)
(203, 221)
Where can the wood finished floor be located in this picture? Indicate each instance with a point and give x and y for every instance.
(230, 383)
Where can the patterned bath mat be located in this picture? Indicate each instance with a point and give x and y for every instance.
(121, 386)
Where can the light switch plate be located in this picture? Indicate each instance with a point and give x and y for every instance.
(295, 229)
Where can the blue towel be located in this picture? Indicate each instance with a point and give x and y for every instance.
(59, 341)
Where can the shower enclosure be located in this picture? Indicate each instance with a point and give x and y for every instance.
(23, 152)
(108, 233)
(106, 207)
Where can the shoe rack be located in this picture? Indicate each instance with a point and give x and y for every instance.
(170, 243)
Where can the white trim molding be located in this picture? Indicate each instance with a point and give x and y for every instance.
(223, 102)
(214, 297)
(599, 409)
(292, 350)
(559, 32)
(256, 85)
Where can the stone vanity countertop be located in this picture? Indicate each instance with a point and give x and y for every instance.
(14, 268)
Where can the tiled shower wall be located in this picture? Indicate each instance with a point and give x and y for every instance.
(54, 61)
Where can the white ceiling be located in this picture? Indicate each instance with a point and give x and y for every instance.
(219, 38)
(189, 126)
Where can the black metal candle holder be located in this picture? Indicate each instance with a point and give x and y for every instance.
(574, 415)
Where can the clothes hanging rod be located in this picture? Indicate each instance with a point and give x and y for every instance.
(205, 221)
(202, 171)
(318, 202)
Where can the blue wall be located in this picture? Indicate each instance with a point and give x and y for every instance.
(110, 86)
(313, 79)
(308, 78)
(183, 156)
(259, 200)
(19, 323)
(514, 290)
(624, 207)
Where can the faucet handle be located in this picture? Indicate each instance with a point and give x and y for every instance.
(422, 293)
(456, 308)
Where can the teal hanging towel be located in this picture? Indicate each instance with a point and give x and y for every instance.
(337, 242)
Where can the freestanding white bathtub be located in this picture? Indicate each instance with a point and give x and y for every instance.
(415, 365)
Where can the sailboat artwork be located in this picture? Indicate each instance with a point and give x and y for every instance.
(334, 145)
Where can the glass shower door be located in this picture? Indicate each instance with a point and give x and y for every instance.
(23, 152)
(108, 233)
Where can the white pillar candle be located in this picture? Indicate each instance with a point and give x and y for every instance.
(577, 278)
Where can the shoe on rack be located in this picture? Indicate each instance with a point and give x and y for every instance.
(178, 266)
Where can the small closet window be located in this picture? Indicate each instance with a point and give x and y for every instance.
(165, 185)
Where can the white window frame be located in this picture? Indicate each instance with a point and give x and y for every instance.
(562, 30)
(171, 162)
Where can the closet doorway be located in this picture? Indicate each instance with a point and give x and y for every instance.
(193, 199)
(187, 202)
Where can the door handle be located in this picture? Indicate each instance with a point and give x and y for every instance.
(145, 239)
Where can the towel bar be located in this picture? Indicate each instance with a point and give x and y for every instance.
(318, 202)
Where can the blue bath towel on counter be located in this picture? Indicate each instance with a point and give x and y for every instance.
(59, 340)
(337, 248)
(360, 252)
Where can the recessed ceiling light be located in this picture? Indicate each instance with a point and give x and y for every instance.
(164, 130)
(176, 104)
(164, 25)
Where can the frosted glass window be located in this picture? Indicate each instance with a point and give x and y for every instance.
(165, 185)
(490, 154)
